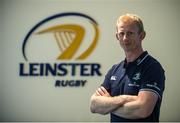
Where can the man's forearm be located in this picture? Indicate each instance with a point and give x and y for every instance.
(129, 110)
(141, 106)
(105, 105)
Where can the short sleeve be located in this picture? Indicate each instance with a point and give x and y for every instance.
(154, 79)
(106, 84)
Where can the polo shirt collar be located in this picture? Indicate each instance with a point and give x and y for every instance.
(142, 57)
(138, 61)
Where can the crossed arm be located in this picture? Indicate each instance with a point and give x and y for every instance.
(127, 106)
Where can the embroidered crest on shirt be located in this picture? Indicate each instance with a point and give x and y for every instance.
(113, 77)
(136, 76)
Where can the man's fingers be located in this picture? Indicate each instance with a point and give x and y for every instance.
(103, 89)
(98, 93)
(106, 93)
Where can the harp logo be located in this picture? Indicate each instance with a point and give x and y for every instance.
(65, 36)
(68, 36)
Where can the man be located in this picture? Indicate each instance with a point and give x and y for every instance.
(133, 89)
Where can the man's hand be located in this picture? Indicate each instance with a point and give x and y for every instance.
(101, 91)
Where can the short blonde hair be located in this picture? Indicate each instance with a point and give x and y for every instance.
(132, 18)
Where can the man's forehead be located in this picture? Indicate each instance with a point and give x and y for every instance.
(126, 19)
(123, 25)
(126, 23)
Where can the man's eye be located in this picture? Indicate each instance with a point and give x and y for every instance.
(121, 33)
(130, 33)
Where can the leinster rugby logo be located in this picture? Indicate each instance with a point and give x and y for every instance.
(68, 36)
(62, 37)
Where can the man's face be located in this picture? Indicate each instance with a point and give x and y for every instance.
(129, 36)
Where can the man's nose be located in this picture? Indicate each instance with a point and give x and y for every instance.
(125, 36)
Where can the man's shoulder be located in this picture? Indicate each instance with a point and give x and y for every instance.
(117, 65)
(152, 63)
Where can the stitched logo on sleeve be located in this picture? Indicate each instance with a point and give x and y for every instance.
(154, 85)
(113, 77)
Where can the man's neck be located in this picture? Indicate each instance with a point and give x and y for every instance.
(133, 55)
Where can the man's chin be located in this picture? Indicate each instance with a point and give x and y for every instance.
(128, 49)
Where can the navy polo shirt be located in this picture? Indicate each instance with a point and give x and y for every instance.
(144, 74)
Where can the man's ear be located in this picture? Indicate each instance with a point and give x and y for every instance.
(142, 35)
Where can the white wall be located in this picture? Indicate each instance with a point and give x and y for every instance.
(36, 99)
